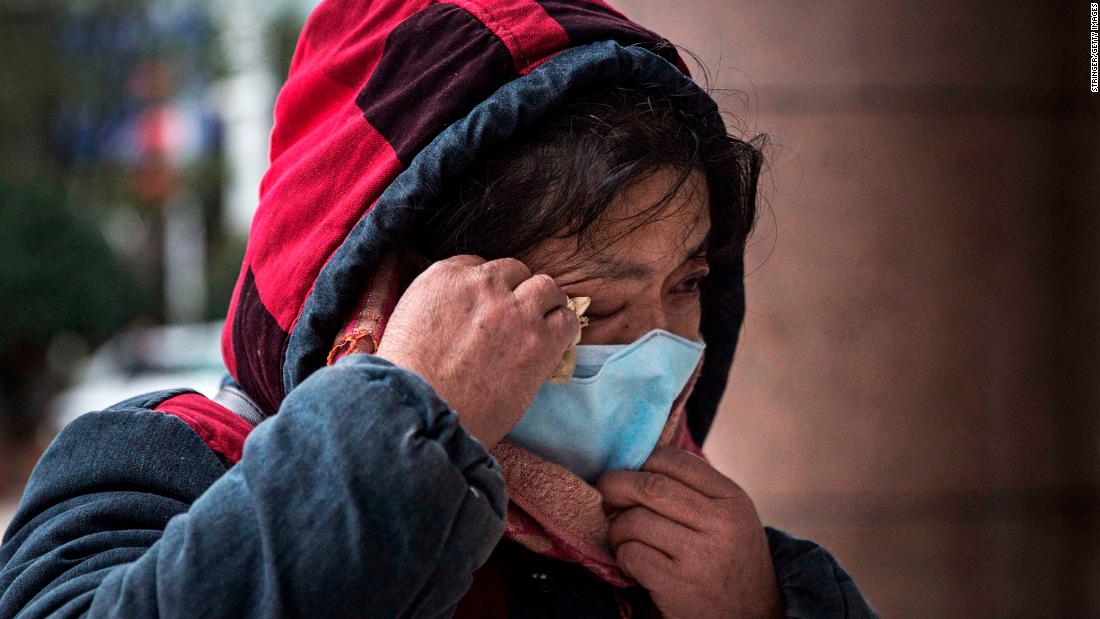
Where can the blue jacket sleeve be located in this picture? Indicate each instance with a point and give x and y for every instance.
(812, 582)
(362, 497)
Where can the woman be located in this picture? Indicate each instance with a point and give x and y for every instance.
(444, 177)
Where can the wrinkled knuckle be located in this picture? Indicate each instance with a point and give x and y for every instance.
(545, 281)
(439, 267)
(537, 342)
(482, 322)
(511, 305)
(558, 329)
(653, 486)
(489, 271)
(516, 262)
(460, 261)
(484, 277)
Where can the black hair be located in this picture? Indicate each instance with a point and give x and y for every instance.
(558, 178)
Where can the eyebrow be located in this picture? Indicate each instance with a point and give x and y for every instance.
(610, 268)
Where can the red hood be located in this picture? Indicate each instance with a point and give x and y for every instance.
(387, 102)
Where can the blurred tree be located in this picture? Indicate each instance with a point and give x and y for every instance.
(89, 88)
(58, 275)
(34, 82)
(77, 86)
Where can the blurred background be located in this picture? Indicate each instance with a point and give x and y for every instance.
(916, 384)
(133, 135)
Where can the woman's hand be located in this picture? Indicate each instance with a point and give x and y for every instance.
(692, 538)
(484, 334)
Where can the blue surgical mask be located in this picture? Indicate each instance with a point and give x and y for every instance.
(614, 407)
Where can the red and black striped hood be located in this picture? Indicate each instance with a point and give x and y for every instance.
(385, 105)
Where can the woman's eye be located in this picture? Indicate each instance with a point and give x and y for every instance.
(691, 284)
(601, 315)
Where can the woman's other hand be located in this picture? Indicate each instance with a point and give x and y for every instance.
(484, 334)
(692, 538)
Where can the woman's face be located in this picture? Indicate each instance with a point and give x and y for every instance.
(647, 279)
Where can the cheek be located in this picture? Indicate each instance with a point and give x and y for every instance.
(602, 332)
(685, 320)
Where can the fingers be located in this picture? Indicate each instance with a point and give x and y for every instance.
(692, 471)
(510, 272)
(643, 525)
(464, 260)
(564, 323)
(655, 491)
(544, 298)
(541, 293)
(649, 566)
